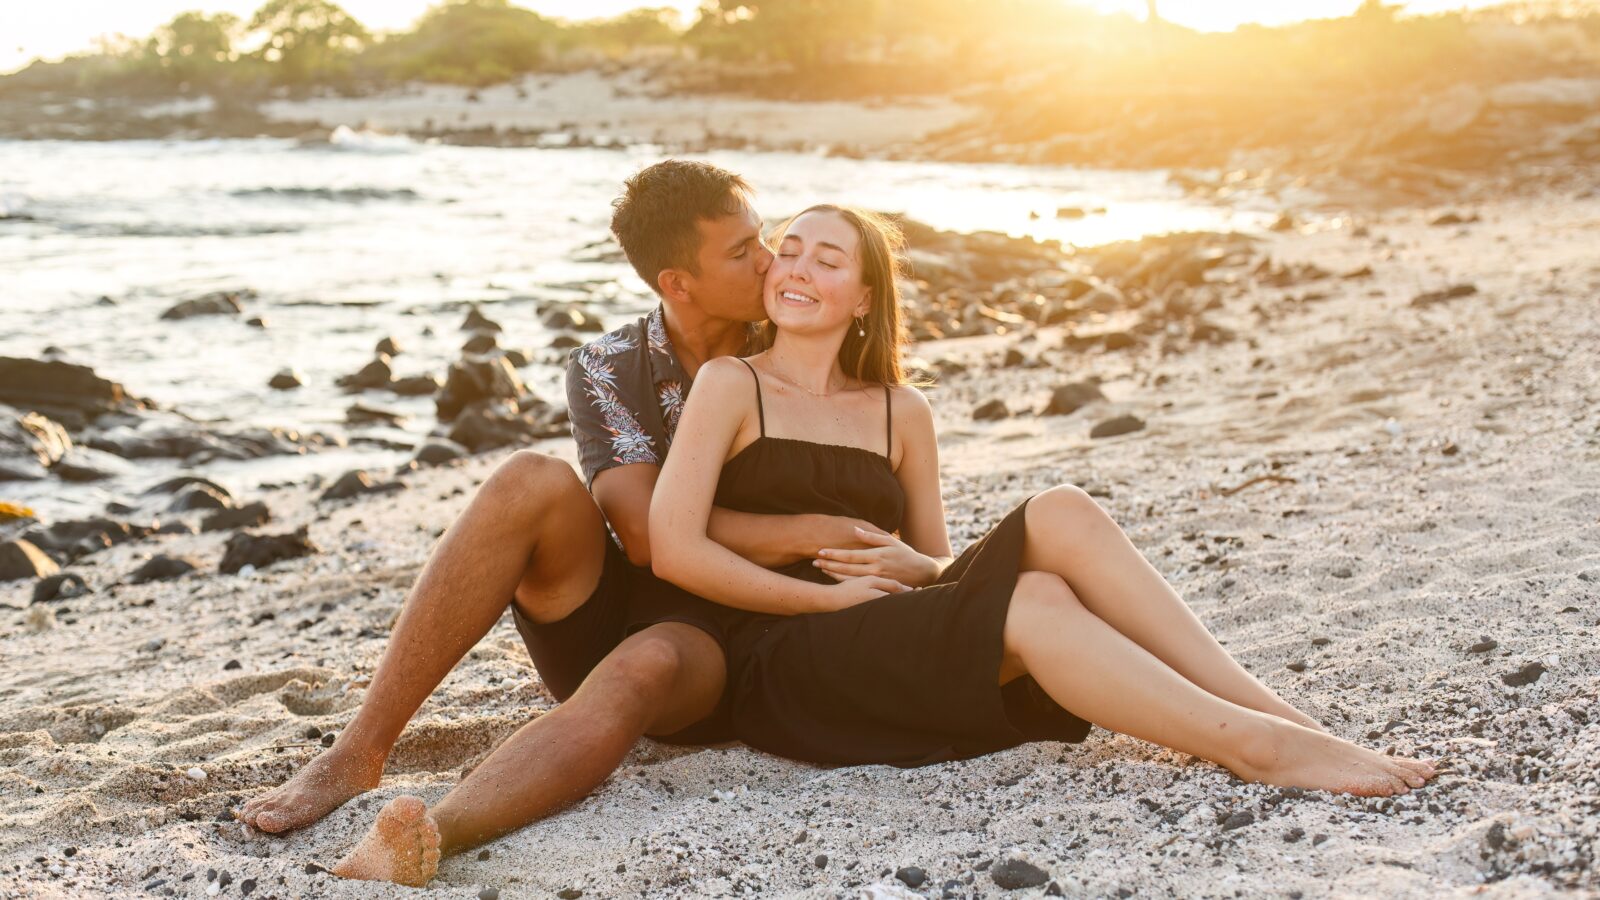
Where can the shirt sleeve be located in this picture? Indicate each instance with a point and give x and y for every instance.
(604, 422)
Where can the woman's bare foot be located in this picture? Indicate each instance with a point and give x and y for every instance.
(326, 782)
(1300, 718)
(1290, 755)
(402, 847)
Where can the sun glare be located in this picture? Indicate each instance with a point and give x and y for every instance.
(1226, 15)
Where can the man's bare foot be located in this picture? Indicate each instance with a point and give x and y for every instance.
(402, 847)
(1290, 755)
(326, 782)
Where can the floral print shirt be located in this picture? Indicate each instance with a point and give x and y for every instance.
(625, 393)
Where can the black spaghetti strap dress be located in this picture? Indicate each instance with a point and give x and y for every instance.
(906, 679)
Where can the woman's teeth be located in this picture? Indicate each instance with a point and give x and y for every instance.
(797, 298)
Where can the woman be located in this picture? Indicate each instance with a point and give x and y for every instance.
(900, 654)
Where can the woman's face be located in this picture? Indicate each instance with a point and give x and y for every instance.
(814, 285)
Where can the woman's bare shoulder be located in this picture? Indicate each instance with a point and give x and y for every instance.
(721, 374)
(909, 400)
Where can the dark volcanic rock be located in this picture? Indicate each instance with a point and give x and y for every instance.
(61, 586)
(248, 516)
(1115, 426)
(1452, 292)
(60, 389)
(197, 447)
(286, 380)
(490, 426)
(1524, 676)
(361, 414)
(85, 464)
(356, 483)
(1016, 874)
(991, 410)
(388, 347)
(22, 559)
(29, 445)
(174, 485)
(437, 452)
(216, 303)
(260, 550)
(71, 540)
(1069, 398)
(162, 568)
(415, 385)
(911, 876)
(477, 321)
(200, 496)
(480, 343)
(571, 319)
(1238, 820)
(473, 381)
(373, 375)
(564, 342)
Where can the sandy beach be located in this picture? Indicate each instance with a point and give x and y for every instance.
(1387, 509)
(628, 107)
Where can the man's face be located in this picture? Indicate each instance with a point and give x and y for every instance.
(733, 264)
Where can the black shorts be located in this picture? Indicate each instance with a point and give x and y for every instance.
(566, 651)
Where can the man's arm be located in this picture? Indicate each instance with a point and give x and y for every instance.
(624, 493)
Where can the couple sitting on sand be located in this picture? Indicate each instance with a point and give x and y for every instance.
(784, 576)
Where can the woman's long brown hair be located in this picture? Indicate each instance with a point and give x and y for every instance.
(874, 358)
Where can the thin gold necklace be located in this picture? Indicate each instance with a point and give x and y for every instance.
(787, 380)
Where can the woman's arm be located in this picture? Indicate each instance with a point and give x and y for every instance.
(923, 526)
(923, 548)
(680, 509)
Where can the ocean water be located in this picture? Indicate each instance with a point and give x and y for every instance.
(365, 237)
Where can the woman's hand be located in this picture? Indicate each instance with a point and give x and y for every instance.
(859, 589)
(886, 557)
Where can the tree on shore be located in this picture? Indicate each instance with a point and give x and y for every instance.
(193, 47)
(471, 42)
(308, 40)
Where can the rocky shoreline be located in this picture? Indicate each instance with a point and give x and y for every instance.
(1466, 143)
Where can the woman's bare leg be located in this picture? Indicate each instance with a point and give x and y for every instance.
(1099, 674)
(658, 681)
(1069, 535)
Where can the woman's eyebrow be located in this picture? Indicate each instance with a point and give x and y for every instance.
(825, 244)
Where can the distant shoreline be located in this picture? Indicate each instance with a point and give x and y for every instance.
(1461, 144)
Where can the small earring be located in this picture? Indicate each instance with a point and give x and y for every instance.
(860, 329)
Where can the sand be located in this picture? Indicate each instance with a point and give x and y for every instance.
(1442, 486)
(628, 108)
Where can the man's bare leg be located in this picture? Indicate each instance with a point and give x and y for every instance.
(1069, 535)
(1100, 674)
(661, 680)
(531, 531)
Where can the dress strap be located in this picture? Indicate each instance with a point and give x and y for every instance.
(760, 410)
(888, 415)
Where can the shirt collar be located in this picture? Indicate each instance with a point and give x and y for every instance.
(664, 364)
(664, 360)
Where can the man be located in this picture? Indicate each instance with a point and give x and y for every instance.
(535, 539)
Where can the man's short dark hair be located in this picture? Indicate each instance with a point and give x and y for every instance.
(655, 217)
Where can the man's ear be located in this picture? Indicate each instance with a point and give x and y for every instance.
(673, 284)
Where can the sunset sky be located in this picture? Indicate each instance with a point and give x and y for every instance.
(50, 30)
